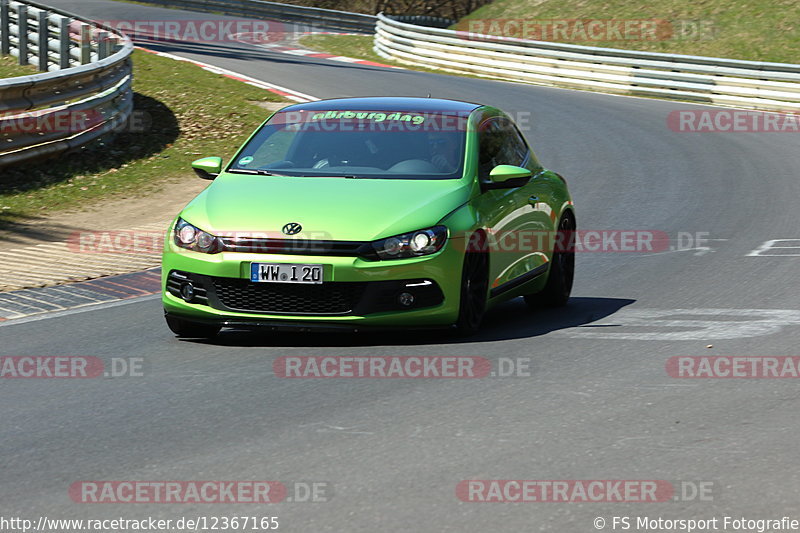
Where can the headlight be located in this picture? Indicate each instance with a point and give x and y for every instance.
(414, 244)
(192, 238)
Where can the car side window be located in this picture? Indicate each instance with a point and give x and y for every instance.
(499, 143)
(516, 149)
(488, 147)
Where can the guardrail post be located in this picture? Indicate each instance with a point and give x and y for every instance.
(22, 24)
(44, 40)
(64, 44)
(5, 29)
(103, 45)
(86, 44)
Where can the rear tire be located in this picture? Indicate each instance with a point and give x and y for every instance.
(474, 293)
(189, 329)
(562, 269)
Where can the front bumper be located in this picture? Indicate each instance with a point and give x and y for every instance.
(355, 293)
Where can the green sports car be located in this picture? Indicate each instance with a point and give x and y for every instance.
(365, 213)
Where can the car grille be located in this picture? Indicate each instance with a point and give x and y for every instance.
(297, 247)
(331, 298)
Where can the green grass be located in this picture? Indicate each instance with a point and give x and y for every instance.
(355, 46)
(757, 30)
(186, 112)
(10, 69)
(358, 46)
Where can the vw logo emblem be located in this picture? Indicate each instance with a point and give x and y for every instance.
(292, 228)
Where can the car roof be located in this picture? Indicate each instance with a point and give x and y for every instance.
(388, 103)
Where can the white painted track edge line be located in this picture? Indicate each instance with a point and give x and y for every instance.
(75, 310)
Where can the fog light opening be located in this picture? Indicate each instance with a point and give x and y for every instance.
(406, 299)
(187, 292)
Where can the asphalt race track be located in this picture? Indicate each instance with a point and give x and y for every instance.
(597, 403)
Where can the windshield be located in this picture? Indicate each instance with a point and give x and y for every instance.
(357, 144)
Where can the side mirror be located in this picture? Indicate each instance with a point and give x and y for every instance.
(208, 168)
(508, 177)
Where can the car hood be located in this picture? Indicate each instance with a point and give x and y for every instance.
(339, 209)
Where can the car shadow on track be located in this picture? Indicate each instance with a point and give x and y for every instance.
(508, 321)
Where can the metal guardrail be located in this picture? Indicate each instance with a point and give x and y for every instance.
(425, 20)
(326, 18)
(751, 84)
(85, 93)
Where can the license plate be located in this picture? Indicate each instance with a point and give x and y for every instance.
(285, 273)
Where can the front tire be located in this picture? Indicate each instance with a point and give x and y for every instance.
(562, 269)
(190, 330)
(474, 293)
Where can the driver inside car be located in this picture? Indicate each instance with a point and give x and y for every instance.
(444, 153)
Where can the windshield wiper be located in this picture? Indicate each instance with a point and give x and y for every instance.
(255, 172)
(258, 172)
(347, 176)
